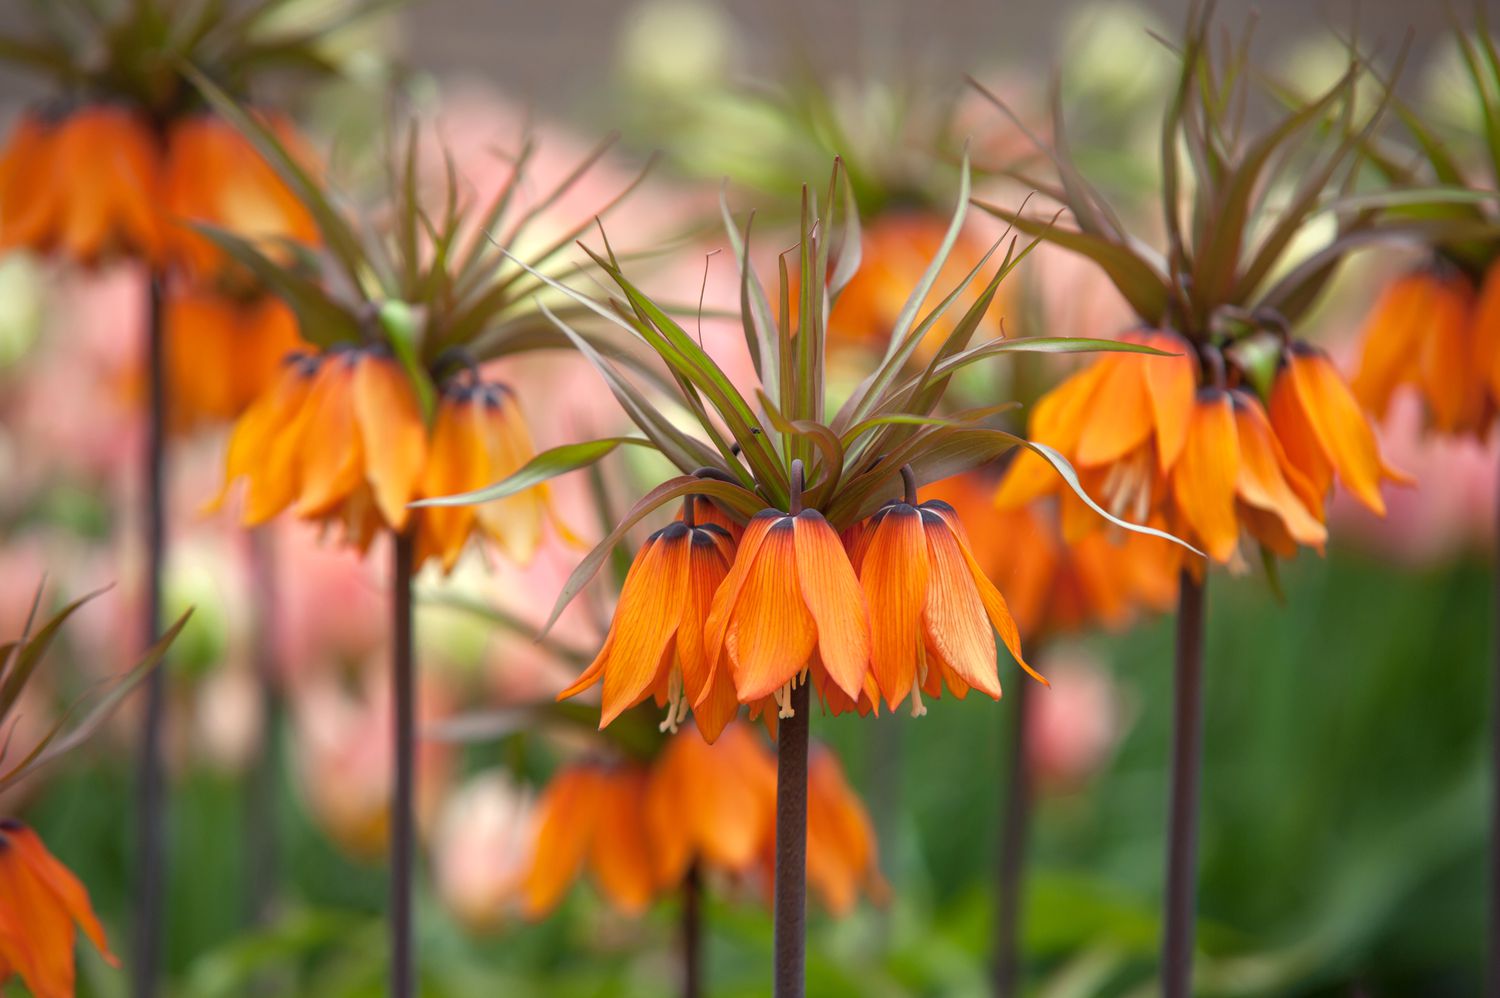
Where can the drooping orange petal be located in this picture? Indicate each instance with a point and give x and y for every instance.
(1120, 414)
(1341, 429)
(567, 819)
(1203, 482)
(1392, 340)
(392, 434)
(728, 595)
(713, 706)
(1261, 482)
(1171, 383)
(456, 463)
(771, 634)
(620, 854)
(37, 929)
(835, 600)
(645, 622)
(515, 522)
(954, 618)
(61, 882)
(258, 449)
(29, 186)
(332, 458)
(894, 576)
(1451, 384)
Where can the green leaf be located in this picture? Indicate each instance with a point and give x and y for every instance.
(55, 742)
(545, 466)
(402, 325)
(1141, 284)
(30, 654)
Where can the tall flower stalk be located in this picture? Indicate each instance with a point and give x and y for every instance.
(1237, 440)
(402, 308)
(1435, 330)
(841, 581)
(91, 177)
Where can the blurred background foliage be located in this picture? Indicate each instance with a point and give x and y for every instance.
(1344, 793)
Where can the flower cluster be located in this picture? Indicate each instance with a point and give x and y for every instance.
(642, 829)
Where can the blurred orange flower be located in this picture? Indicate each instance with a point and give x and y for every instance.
(1208, 463)
(222, 352)
(339, 437)
(87, 186)
(1428, 330)
(40, 902)
(640, 828)
(214, 175)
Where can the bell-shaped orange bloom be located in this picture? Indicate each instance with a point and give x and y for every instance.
(337, 437)
(87, 186)
(1122, 422)
(40, 903)
(1053, 587)
(841, 852)
(479, 437)
(1324, 431)
(223, 352)
(656, 643)
(711, 805)
(592, 814)
(933, 612)
(215, 176)
(790, 605)
(1427, 332)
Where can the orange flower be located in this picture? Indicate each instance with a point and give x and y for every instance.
(932, 609)
(656, 643)
(87, 186)
(478, 438)
(593, 814)
(841, 856)
(711, 805)
(337, 437)
(1122, 421)
(40, 902)
(1320, 424)
(223, 352)
(1425, 331)
(790, 604)
(1208, 464)
(214, 175)
(1051, 586)
(340, 438)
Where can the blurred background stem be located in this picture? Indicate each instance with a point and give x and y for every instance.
(791, 847)
(1015, 817)
(692, 933)
(1187, 765)
(150, 784)
(403, 709)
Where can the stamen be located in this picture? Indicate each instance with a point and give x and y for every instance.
(784, 701)
(918, 708)
(676, 704)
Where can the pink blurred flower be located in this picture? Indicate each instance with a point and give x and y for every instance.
(480, 849)
(344, 756)
(1074, 727)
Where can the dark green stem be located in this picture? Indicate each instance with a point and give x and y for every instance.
(1187, 777)
(791, 848)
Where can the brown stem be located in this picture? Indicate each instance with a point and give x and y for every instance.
(403, 826)
(260, 791)
(791, 848)
(150, 781)
(1014, 823)
(1187, 767)
(1492, 951)
(692, 933)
